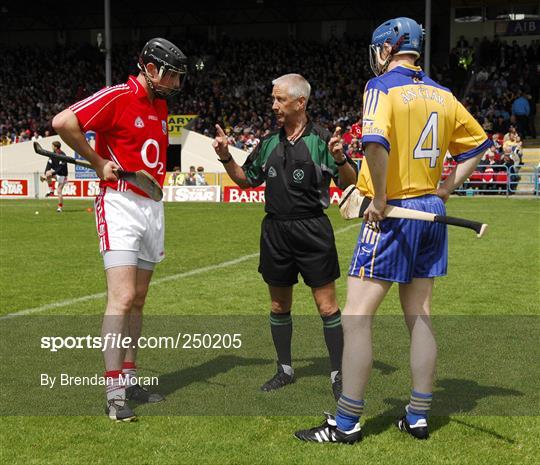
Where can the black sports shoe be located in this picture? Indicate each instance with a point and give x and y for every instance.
(279, 380)
(118, 410)
(419, 430)
(337, 386)
(328, 432)
(140, 394)
(48, 194)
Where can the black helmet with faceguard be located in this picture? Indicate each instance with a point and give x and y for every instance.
(170, 62)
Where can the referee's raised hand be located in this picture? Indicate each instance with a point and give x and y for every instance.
(221, 143)
(335, 145)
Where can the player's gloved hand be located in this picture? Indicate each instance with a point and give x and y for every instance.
(335, 145)
(105, 170)
(221, 143)
(375, 211)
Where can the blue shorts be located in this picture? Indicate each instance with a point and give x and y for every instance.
(399, 250)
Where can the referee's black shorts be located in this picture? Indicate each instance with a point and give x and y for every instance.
(293, 246)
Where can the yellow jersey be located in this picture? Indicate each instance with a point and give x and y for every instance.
(417, 121)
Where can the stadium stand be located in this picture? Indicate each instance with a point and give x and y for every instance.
(230, 83)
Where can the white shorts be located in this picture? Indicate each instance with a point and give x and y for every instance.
(128, 221)
(61, 180)
(114, 258)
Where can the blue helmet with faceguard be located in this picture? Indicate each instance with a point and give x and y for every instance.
(404, 35)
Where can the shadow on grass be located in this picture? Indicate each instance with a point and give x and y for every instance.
(176, 380)
(452, 397)
(206, 371)
(318, 366)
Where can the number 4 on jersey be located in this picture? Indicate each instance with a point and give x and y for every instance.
(433, 152)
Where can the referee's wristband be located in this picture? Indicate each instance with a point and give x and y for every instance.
(341, 163)
(226, 160)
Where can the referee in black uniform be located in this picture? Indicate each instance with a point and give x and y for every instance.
(297, 163)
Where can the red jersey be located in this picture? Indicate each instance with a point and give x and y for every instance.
(130, 130)
(347, 138)
(356, 130)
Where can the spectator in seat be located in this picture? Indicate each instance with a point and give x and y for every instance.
(496, 142)
(511, 130)
(190, 177)
(354, 150)
(511, 168)
(177, 177)
(251, 142)
(514, 144)
(199, 177)
(482, 75)
(356, 129)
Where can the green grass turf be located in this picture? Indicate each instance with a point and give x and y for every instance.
(48, 257)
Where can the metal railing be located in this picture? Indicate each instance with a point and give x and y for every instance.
(500, 180)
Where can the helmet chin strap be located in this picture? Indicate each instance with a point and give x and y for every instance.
(157, 92)
(383, 64)
(378, 65)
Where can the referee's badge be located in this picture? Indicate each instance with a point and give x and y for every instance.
(272, 173)
(298, 176)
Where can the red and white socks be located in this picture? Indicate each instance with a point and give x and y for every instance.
(129, 372)
(115, 386)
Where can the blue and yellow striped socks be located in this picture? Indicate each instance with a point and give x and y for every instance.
(419, 406)
(348, 413)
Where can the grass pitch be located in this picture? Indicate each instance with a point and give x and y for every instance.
(50, 266)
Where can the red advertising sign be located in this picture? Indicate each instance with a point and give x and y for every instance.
(335, 195)
(79, 188)
(71, 189)
(14, 187)
(256, 195)
(235, 194)
(90, 188)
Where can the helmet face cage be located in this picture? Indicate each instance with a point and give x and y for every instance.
(171, 80)
(378, 65)
(171, 64)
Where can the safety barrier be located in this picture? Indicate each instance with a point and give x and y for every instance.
(500, 179)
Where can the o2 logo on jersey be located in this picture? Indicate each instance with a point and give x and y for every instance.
(144, 155)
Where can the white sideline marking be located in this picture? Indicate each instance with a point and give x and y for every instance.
(185, 274)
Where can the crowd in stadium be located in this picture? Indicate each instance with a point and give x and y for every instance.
(504, 90)
(232, 85)
(498, 171)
